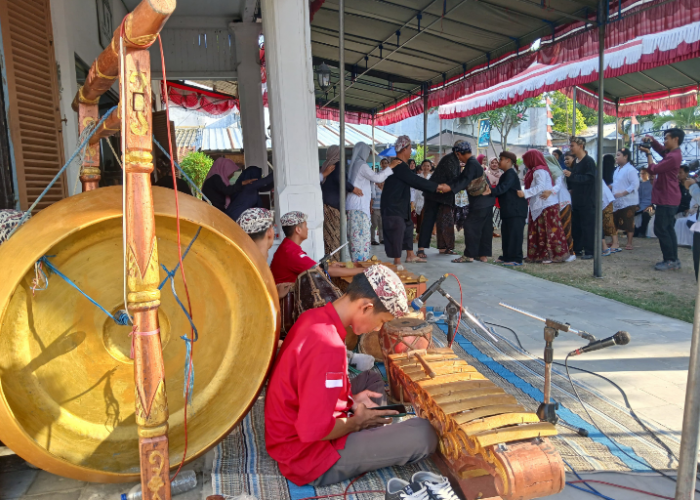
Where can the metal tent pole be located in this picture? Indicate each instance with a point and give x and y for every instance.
(617, 125)
(344, 254)
(598, 241)
(440, 136)
(573, 125)
(374, 153)
(425, 123)
(688, 459)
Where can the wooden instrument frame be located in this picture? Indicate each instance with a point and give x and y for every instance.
(140, 29)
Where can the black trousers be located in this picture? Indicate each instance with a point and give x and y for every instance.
(642, 230)
(430, 213)
(398, 235)
(665, 230)
(696, 253)
(583, 230)
(512, 230)
(478, 233)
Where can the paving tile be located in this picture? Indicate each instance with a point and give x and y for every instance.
(15, 484)
(56, 495)
(670, 416)
(46, 482)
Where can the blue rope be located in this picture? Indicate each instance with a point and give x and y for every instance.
(121, 318)
(171, 274)
(181, 171)
(60, 172)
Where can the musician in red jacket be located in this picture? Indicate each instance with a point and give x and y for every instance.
(319, 425)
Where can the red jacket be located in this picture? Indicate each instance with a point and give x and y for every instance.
(666, 190)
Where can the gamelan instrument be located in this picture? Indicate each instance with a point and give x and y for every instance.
(396, 336)
(488, 442)
(67, 380)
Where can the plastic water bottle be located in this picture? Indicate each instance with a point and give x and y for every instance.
(185, 481)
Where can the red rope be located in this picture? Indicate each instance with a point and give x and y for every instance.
(461, 303)
(619, 486)
(179, 253)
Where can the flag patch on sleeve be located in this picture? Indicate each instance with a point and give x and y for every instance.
(334, 380)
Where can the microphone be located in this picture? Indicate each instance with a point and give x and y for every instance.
(419, 302)
(620, 338)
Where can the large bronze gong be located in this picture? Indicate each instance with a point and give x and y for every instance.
(66, 379)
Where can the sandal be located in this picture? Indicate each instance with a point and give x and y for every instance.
(463, 259)
(615, 250)
(421, 255)
(415, 260)
(512, 264)
(607, 253)
(449, 252)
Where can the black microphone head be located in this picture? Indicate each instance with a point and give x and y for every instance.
(622, 338)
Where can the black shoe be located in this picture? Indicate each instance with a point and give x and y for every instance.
(375, 243)
(586, 257)
(398, 489)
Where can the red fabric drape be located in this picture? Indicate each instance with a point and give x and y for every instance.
(646, 104)
(356, 118)
(574, 41)
(200, 99)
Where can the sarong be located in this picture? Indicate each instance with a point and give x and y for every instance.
(331, 229)
(546, 240)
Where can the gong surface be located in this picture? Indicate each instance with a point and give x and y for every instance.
(66, 379)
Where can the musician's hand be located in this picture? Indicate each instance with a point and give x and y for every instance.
(521, 194)
(337, 264)
(249, 181)
(365, 397)
(567, 173)
(366, 418)
(328, 171)
(357, 191)
(545, 194)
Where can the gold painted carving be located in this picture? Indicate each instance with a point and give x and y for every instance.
(143, 280)
(410, 292)
(84, 100)
(138, 157)
(138, 84)
(156, 459)
(158, 414)
(102, 75)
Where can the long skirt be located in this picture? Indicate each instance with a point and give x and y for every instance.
(546, 240)
(445, 228)
(565, 216)
(496, 219)
(359, 235)
(460, 215)
(609, 221)
(331, 229)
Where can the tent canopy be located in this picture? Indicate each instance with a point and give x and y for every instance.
(663, 67)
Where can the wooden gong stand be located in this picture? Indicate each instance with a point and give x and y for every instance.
(141, 28)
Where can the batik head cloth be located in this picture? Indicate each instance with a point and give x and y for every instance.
(293, 219)
(388, 287)
(402, 142)
(256, 220)
(462, 147)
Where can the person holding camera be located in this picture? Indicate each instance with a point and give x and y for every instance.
(665, 193)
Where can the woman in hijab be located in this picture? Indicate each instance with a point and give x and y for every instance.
(412, 165)
(252, 183)
(546, 241)
(361, 176)
(330, 189)
(493, 174)
(217, 186)
(562, 192)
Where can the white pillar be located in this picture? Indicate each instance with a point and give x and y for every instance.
(250, 93)
(290, 93)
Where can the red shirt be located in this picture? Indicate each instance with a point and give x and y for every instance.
(289, 262)
(309, 388)
(665, 190)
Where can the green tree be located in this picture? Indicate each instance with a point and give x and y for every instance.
(197, 164)
(505, 118)
(418, 157)
(682, 118)
(562, 113)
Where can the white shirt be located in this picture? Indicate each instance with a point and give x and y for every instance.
(608, 197)
(541, 181)
(417, 196)
(626, 178)
(563, 192)
(364, 180)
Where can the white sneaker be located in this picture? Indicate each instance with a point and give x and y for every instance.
(571, 258)
(398, 489)
(438, 487)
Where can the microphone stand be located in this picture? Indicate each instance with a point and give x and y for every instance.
(547, 411)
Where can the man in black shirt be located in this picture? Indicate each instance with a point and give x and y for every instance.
(513, 210)
(478, 227)
(581, 180)
(396, 203)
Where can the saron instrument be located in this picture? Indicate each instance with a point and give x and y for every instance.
(487, 440)
(66, 377)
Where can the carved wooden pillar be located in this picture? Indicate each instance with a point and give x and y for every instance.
(90, 173)
(142, 279)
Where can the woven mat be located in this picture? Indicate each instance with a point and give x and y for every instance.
(242, 466)
(626, 443)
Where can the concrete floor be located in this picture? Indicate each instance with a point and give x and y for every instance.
(652, 370)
